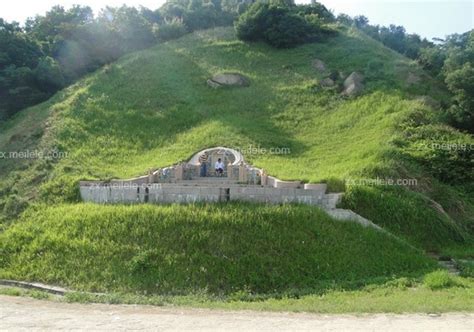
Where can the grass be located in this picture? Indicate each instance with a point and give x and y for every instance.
(152, 108)
(187, 249)
(439, 279)
(401, 213)
(140, 112)
(402, 295)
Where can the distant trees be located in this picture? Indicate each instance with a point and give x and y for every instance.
(282, 24)
(200, 14)
(20, 56)
(393, 36)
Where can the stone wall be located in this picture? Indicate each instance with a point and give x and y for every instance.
(130, 193)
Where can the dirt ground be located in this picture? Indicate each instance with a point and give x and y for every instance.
(19, 313)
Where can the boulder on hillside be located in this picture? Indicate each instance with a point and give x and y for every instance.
(327, 83)
(353, 84)
(228, 79)
(318, 65)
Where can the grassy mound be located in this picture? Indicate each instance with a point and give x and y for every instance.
(213, 248)
(405, 214)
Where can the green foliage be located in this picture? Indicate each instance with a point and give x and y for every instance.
(48, 72)
(279, 26)
(444, 152)
(406, 214)
(200, 14)
(461, 83)
(439, 279)
(13, 206)
(391, 297)
(170, 30)
(186, 249)
(466, 267)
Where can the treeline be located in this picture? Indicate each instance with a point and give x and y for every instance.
(53, 50)
(451, 60)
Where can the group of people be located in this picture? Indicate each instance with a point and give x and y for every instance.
(218, 166)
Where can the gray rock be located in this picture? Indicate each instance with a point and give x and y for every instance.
(327, 83)
(353, 84)
(228, 79)
(355, 77)
(318, 65)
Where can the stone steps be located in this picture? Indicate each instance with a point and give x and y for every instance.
(450, 266)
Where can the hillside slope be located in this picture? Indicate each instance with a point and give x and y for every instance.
(153, 108)
(211, 248)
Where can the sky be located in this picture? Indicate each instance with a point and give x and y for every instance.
(428, 18)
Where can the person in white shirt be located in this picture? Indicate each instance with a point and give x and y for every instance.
(219, 167)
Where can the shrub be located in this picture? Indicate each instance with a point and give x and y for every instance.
(278, 26)
(439, 279)
(14, 205)
(172, 29)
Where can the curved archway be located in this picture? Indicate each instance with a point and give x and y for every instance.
(228, 155)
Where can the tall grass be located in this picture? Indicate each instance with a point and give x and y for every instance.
(219, 249)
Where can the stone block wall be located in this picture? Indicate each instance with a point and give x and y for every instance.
(130, 193)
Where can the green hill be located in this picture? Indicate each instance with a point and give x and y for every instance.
(153, 108)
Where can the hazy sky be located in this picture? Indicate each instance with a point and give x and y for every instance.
(428, 18)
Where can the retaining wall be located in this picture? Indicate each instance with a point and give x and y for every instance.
(175, 193)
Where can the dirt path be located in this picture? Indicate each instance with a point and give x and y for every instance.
(17, 313)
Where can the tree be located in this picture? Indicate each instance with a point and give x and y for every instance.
(48, 74)
(361, 21)
(279, 26)
(461, 83)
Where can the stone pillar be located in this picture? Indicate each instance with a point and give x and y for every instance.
(263, 178)
(242, 173)
(229, 170)
(178, 171)
(151, 178)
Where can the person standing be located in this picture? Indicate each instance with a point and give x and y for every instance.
(203, 162)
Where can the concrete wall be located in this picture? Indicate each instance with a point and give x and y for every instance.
(176, 193)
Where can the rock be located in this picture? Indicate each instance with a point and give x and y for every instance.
(228, 79)
(327, 83)
(316, 186)
(355, 77)
(318, 65)
(353, 84)
(213, 84)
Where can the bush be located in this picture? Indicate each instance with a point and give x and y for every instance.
(14, 205)
(278, 26)
(170, 30)
(439, 279)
